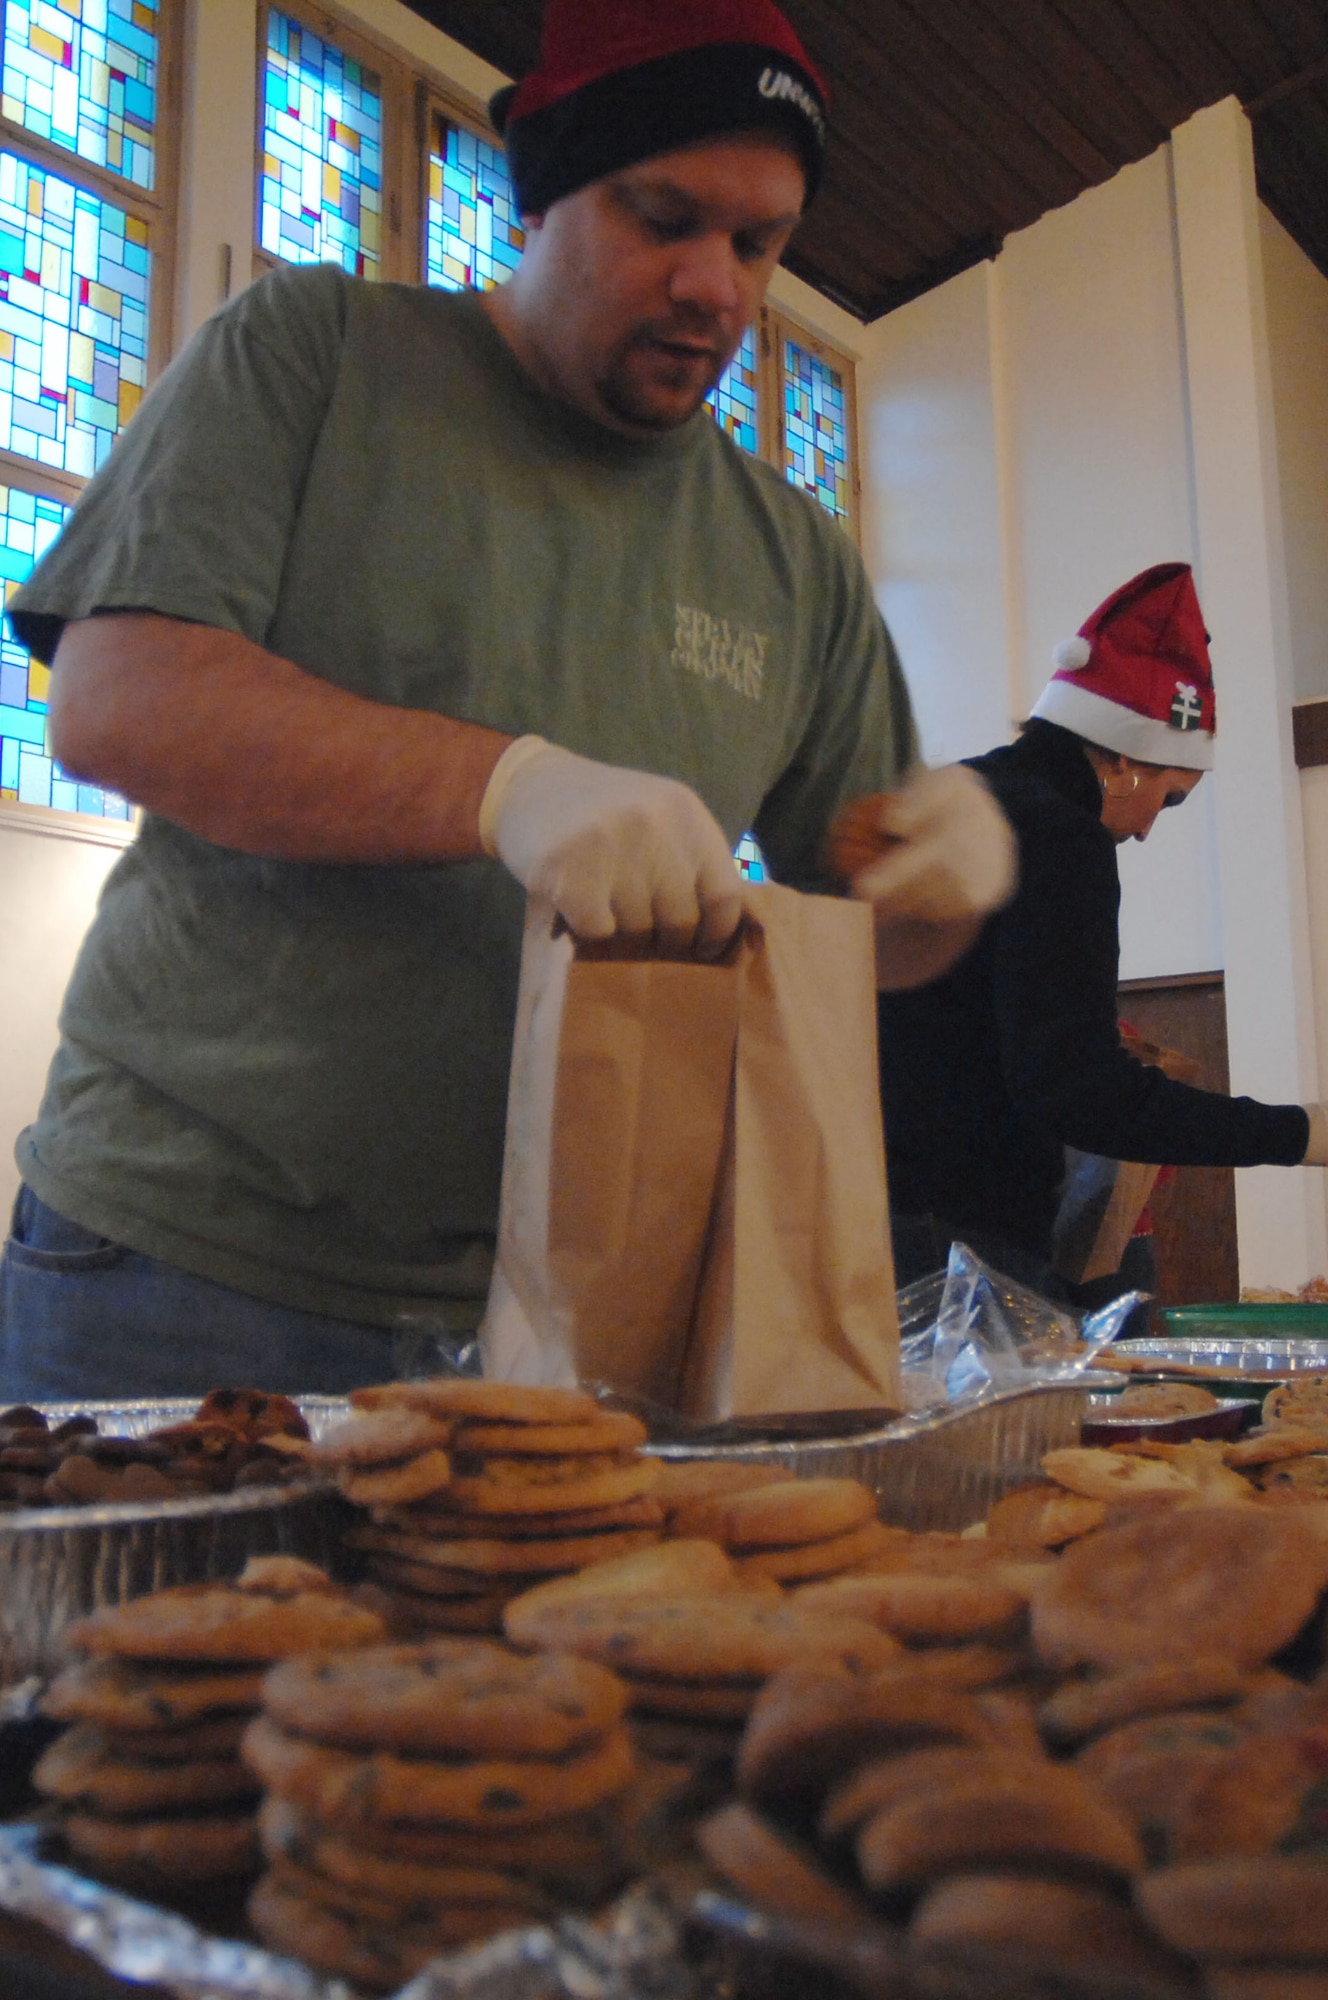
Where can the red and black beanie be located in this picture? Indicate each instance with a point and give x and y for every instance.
(623, 80)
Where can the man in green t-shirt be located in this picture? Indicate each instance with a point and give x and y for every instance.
(391, 607)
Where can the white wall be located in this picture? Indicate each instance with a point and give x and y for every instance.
(49, 884)
(1093, 401)
(1297, 303)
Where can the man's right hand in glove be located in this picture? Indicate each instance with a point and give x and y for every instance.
(614, 850)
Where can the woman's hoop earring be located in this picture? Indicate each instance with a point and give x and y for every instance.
(1119, 791)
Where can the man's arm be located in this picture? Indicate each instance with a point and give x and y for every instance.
(245, 749)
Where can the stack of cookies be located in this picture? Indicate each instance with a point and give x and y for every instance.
(693, 1661)
(477, 1490)
(790, 1531)
(149, 1778)
(420, 1797)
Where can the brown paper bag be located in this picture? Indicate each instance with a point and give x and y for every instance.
(665, 1114)
(797, 1303)
(621, 1071)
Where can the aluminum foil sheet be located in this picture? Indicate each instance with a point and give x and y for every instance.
(56, 1563)
(635, 1953)
(941, 1469)
(1246, 1354)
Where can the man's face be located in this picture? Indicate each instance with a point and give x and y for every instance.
(635, 291)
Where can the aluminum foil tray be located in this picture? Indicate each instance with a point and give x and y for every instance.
(934, 1471)
(1247, 1354)
(56, 1563)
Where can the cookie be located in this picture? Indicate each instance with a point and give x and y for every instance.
(1059, 1935)
(166, 1852)
(430, 1582)
(80, 1768)
(1305, 1474)
(1209, 1580)
(446, 1698)
(810, 1724)
(380, 1437)
(339, 1786)
(412, 1615)
(770, 1871)
(1040, 1816)
(1270, 1980)
(396, 1485)
(552, 1485)
(1163, 1399)
(767, 1517)
(1081, 1709)
(488, 1555)
(682, 1480)
(487, 1402)
(286, 1834)
(1266, 1447)
(337, 1943)
(1151, 1791)
(1043, 1516)
(255, 1413)
(1112, 1474)
(962, 1667)
(1304, 1399)
(611, 1430)
(922, 1609)
(122, 1694)
(692, 1701)
(438, 1516)
(813, 1559)
(1201, 1730)
(575, 1841)
(190, 1742)
(219, 1621)
(876, 1784)
(702, 1638)
(667, 1568)
(1240, 1906)
(1267, 1794)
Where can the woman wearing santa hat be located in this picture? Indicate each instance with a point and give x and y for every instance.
(989, 1073)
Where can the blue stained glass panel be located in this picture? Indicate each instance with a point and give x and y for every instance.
(733, 398)
(29, 523)
(750, 860)
(320, 191)
(473, 234)
(74, 293)
(83, 74)
(816, 429)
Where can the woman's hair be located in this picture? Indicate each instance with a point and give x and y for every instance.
(1037, 726)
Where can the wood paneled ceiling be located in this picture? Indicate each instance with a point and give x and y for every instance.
(954, 122)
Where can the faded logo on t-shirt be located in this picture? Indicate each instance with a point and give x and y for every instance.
(718, 651)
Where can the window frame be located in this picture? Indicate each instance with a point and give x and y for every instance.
(777, 325)
(158, 209)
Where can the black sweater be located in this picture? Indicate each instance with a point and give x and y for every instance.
(990, 1072)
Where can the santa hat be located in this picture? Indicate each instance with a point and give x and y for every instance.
(1138, 678)
(622, 80)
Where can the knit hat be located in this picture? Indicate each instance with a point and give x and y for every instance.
(1138, 678)
(622, 80)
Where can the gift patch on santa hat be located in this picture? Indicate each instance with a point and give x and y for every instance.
(1137, 678)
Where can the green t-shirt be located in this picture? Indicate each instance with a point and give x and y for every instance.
(292, 1078)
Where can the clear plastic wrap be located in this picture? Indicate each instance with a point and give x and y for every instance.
(969, 1332)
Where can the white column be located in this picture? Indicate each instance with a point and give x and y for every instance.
(1242, 585)
(216, 214)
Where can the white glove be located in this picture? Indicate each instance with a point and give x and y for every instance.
(1316, 1153)
(953, 853)
(613, 850)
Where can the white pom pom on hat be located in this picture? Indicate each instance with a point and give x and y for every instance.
(1071, 654)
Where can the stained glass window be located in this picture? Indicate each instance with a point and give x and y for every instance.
(473, 233)
(751, 862)
(321, 194)
(733, 398)
(83, 73)
(29, 523)
(74, 273)
(815, 429)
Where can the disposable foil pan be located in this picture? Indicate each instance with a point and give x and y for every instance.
(942, 1471)
(1242, 1354)
(56, 1563)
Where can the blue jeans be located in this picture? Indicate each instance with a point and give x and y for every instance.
(84, 1317)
